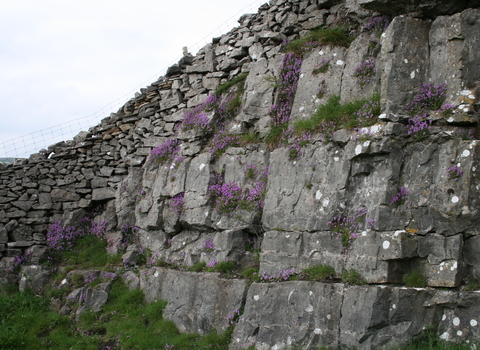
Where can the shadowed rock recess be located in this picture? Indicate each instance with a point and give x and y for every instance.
(221, 154)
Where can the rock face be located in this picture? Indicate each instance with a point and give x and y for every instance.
(202, 181)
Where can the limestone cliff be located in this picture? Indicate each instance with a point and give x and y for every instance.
(223, 153)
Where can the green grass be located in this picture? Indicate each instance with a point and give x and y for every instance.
(319, 273)
(238, 80)
(341, 115)
(320, 36)
(415, 279)
(274, 136)
(198, 267)
(126, 320)
(352, 277)
(89, 252)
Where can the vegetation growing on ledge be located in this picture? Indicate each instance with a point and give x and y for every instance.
(333, 116)
(317, 37)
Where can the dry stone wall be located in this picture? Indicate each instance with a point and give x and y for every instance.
(292, 203)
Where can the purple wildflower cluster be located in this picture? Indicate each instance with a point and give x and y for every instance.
(363, 135)
(214, 107)
(466, 134)
(347, 229)
(227, 197)
(454, 173)
(232, 319)
(166, 152)
(400, 197)
(277, 276)
(177, 202)
(295, 149)
(60, 237)
(328, 129)
(430, 97)
(13, 271)
(197, 120)
(447, 109)
(289, 75)
(322, 89)
(364, 72)
(419, 127)
(208, 247)
(212, 264)
(367, 115)
(321, 67)
(377, 25)
(221, 141)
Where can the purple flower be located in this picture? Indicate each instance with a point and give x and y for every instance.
(208, 246)
(166, 152)
(430, 97)
(364, 72)
(454, 173)
(418, 127)
(400, 197)
(177, 202)
(289, 75)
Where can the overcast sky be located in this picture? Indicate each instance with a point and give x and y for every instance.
(61, 60)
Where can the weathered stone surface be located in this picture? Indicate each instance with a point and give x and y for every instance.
(307, 98)
(282, 314)
(428, 8)
(405, 62)
(196, 302)
(100, 194)
(60, 195)
(34, 278)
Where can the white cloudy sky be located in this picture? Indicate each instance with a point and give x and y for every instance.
(61, 60)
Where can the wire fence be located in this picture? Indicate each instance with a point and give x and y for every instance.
(25, 145)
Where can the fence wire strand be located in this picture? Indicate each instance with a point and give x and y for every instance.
(25, 145)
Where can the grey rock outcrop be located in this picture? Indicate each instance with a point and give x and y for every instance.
(290, 200)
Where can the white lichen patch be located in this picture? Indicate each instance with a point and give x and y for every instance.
(326, 202)
(358, 150)
(339, 63)
(444, 317)
(456, 321)
(455, 199)
(459, 333)
(336, 159)
(465, 153)
(465, 92)
(317, 331)
(405, 60)
(412, 74)
(155, 274)
(386, 245)
(444, 336)
(256, 297)
(309, 308)
(318, 195)
(201, 166)
(473, 322)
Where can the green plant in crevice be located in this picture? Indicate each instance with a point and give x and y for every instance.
(415, 279)
(237, 81)
(317, 37)
(319, 273)
(352, 277)
(333, 115)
